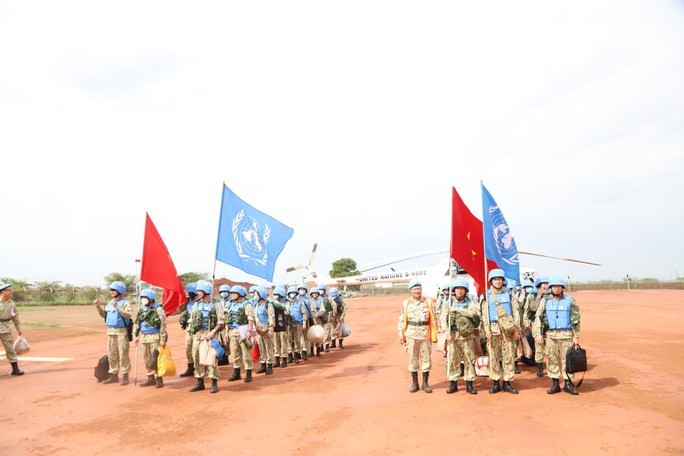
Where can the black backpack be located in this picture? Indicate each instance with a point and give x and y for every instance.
(102, 368)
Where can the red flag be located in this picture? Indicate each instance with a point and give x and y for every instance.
(158, 268)
(467, 243)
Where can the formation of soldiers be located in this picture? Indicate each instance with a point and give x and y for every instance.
(278, 324)
(497, 321)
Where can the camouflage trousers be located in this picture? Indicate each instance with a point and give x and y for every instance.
(460, 350)
(241, 353)
(539, 352)
(150, 342)
(296, 338)
(282, 343)
(8, 343)
(202, 371)
(556, 350)
(266, 348)
(329, 328)
(419, 352)
(188, 347)
(118, 348)
(501, 350)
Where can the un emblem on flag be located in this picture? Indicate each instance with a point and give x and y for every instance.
(249, 242)
(503, 238)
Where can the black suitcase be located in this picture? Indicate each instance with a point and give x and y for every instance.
(102, 368)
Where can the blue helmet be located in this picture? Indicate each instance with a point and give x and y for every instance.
(496, 273)
(279, 291)
(292, 289)
(191, 288)
(414, 283)
(253, 288)
(225, 288)
(303, 285)
(445, 286)
(463, 283)
(540, 280)
(315, 290)
(239, 289)
(204, 286)
(149, 294)
(334, 292)
(322, 287)
(556, 281)
(118, 286)
(263, 292)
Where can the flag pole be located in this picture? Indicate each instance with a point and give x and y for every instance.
(137, 345)
(484, 248)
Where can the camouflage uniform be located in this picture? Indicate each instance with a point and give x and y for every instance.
(240, 314)
(456, 317)
(265, 332)
(501, 348)
(281, 332)
(297, 312)
(557, 341)
(151, 340)
(331, 315)
(9, 316)
(341, 312)
(530, 311)
(118, 344)
(201, 327)
(414, 327)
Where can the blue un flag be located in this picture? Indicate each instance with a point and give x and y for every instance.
(249, 239)
(499, 243)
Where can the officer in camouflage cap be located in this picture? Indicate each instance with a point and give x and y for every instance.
(558, 321)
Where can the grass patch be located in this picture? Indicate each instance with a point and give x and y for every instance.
(40, 324)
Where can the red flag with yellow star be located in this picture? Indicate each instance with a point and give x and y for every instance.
(467, 243)
(158, 268)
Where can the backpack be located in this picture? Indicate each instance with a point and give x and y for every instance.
(102, 368)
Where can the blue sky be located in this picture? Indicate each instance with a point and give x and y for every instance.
(349, 122)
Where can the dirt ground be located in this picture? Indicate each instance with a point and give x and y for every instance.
(355, 400)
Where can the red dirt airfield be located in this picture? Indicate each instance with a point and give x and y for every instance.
(355, 400)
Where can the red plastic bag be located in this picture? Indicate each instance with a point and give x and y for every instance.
(255, 353)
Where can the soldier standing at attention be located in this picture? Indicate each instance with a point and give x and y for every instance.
(559, 315)
(340, 312)
(500, 346)
(117, 315)
(265, 323)
(417, 330)
(239, 313)
(531, 309)
(302, 289)
(280, 330)
(8, 313)
(318, 315)
(186, 311)
(151, 323)
(206, 320)
(297, 312)
(460, 318)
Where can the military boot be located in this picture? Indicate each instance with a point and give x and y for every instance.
(469, 387)
(148, 382)
(290, 358)
(414, 386)
(568, 388)
(262, 369)
(495, 387)
(269, 369)
(311, 351)
(305, 355)
(540, 369)
(341, 343)
(277, 362)
(333, 345)
(327, 348)
(426, 387)
(124, 379)
(453, 387)
(555, 387)
(190, 371)
(160, 382)
(15, 369)
(248, 376)
(296, 357)
(214, 385)
(319, 349)
(509, 389)
(199, 386)
(283, 363)
(517, 369)
(113, 378)
(236, 375)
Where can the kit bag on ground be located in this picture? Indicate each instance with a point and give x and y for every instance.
(576, 361)
(102, 368)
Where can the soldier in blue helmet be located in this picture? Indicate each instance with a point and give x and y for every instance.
(307, 347)
(558, 322)
(185, 311)
(265, 323)
(151, 323)
(117, 314)
(241, 332)
(206, 320)
(337, 318)
(417, 331)
(500, 332)
(9, 315)
(530, 309)
(281, 326)
(318, 314)
(461, 317)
